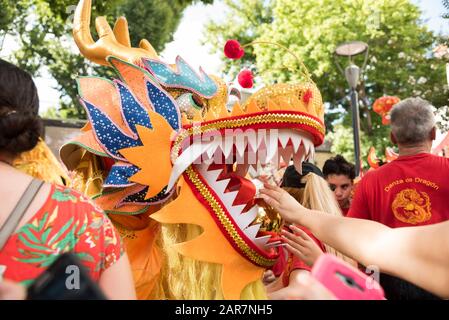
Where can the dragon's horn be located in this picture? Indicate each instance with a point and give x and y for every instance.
(81, 31)
(146, 45)
(115, 43)
(121, 32)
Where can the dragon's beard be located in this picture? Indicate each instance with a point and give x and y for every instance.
(188, 279)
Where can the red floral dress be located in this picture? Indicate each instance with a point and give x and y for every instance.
(68, 222)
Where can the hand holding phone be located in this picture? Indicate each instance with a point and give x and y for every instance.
(345, 281)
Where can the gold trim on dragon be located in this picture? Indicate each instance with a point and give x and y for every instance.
(226, 223)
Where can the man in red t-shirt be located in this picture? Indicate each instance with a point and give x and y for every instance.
(412, 190)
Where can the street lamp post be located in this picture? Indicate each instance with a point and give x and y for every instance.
(352, 74)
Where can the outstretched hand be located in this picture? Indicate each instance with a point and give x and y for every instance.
(302, 245)
(281, 201)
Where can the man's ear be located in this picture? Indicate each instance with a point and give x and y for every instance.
(393, 138)
(433, 133)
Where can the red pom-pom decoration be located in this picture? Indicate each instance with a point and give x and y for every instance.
(233, 50)
(246, 79)
(308, 95)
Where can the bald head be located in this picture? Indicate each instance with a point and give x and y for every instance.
(412, 122)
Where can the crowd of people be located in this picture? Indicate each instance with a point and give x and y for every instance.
(394, 217)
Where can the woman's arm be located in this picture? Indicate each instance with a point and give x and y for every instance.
(12, 291)
(417, 254)
(302, 286)
(275, 285)
(284, 293)
(117, 281)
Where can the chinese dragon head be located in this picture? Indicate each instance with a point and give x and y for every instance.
(163, 156)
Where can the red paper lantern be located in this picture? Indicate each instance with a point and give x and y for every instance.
(246, 79)
(383, 106)
(233, 50)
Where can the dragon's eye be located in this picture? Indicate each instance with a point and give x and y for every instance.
(234, 96)
(235, 92)
(188, 103)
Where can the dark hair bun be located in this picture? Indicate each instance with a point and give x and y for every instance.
(20, 125)
(20, 132)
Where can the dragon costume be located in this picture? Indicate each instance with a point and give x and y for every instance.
(168, 162)
(41, 163)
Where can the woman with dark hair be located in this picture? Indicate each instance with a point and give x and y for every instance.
(57, 220)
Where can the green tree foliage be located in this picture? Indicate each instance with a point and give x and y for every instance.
(400, 60)
(44, 28)
(7, 11)
(446, 6)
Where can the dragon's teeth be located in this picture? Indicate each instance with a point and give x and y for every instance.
(187, 157)
(275, 160)
(228, 198)
(251, 157)
(240, 144)
(237, 210)
(261, 137)
(311, 153)
(284, 137)
(221, 185)
(286, 154)
(261, 242)
(227, 145)
(211, 175)
(244, 219)
(216, 142)
(252, 140)
(208, 161)
(252, 231)
(296, 141)
(298, 158)
(306, 143)
(272, 145)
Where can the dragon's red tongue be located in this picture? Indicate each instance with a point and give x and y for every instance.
(246, 189)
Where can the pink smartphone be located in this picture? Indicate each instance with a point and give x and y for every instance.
(345, 281)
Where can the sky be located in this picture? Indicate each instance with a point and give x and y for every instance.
(187, 41)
